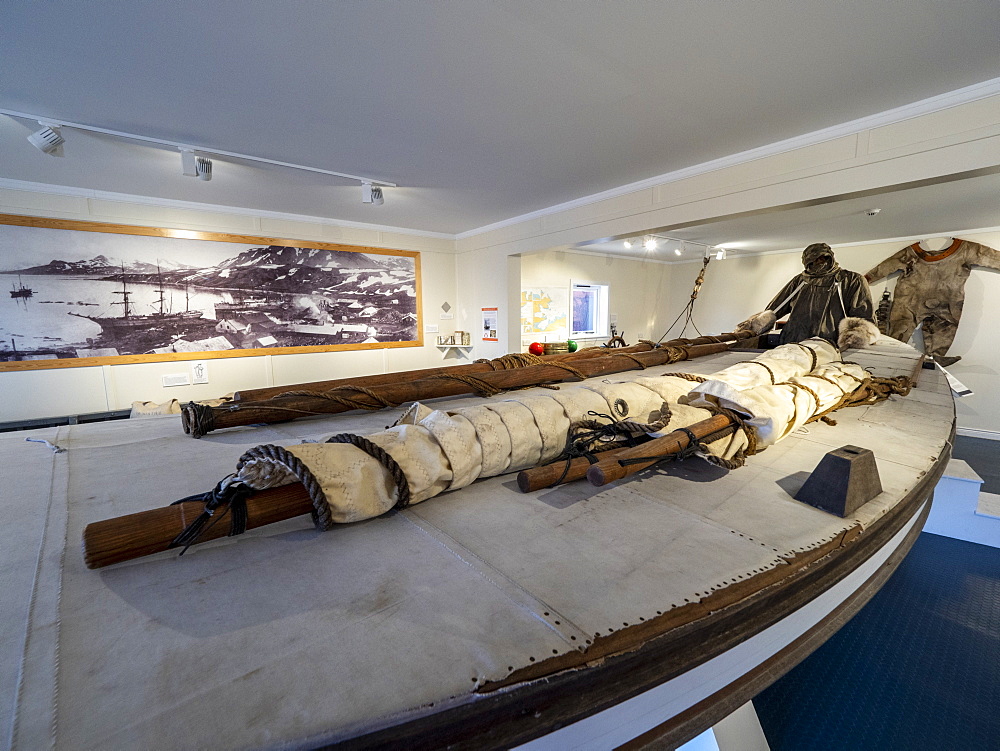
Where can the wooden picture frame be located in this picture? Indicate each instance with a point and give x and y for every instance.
(110, 294)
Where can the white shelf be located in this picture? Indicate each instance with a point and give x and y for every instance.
(461, 349)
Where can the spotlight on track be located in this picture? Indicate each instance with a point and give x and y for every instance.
(193, 165)
(371, 194)
(204, 168)
(47, 140)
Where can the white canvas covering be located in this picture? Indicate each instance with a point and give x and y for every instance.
(441, 450)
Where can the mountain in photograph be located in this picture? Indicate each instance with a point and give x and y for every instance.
(100, 266)
(282, 255)
(271, 268)
(278, 268)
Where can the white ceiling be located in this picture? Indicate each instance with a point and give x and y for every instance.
(481, 110)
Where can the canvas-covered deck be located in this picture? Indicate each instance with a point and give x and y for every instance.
(483, 617)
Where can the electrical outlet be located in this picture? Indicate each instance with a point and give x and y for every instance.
(199, 372)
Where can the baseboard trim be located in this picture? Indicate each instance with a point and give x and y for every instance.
(990, 435)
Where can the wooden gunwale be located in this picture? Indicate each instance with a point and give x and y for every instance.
(558, 692)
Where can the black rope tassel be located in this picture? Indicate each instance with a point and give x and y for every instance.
(229, 495)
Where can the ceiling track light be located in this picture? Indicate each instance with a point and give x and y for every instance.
(193, 165)
(371, 194)
(47, 140)
(43, 140)
(204, 168)
(649, 243)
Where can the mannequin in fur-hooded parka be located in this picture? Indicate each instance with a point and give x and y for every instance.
(825, 301)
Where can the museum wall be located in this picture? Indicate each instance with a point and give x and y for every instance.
(742, 285)
(55, 392)
(637, 289)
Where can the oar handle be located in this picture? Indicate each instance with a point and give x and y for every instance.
(618, 466)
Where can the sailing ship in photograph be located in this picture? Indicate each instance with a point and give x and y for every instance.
(261, 297)
(130, 321)
(19, 290)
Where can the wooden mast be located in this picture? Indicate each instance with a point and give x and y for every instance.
(199, 420)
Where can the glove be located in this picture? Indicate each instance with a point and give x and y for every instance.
(758, 323)
(855, 333)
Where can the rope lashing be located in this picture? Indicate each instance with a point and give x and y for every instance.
(674, 354)
(322, 514)
(231, 496)
(633, 358)
(477, 385)
(740, 457)
(335, 395)
(385, 459)
(812, 354)
(200, 419)
(765, 367)
(484, 389)
(686, 376)
(512, 361)
(570, 369)
(813, 394)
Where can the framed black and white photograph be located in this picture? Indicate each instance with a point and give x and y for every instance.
(87, 293)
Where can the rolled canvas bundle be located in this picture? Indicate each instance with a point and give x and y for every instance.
(441, 450)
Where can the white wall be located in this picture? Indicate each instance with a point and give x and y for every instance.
(637, 294)
(740, 286)
(71, 391)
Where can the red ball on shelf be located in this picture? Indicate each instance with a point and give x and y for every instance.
(536, 348)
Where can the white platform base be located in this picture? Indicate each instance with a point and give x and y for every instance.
(961, 511)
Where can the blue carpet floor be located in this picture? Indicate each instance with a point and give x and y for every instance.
(918, 668)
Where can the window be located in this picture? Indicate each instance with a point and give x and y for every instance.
(590, 310)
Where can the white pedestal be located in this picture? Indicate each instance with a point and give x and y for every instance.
(961, 511)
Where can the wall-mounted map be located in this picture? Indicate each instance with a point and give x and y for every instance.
(544, 310)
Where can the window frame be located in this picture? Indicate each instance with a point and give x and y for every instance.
(601, 316)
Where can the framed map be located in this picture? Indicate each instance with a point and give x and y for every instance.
(88, 293)
(545, 310)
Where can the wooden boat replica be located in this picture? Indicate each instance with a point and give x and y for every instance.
(575, 616)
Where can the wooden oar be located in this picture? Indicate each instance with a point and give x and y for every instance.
(548, 475)
(146, 532)
(615, 467)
